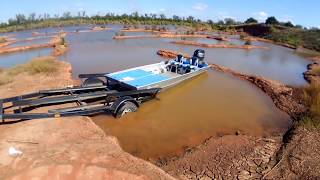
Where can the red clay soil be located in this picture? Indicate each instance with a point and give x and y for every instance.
(226, 157)
(141, 30)
(63, 148)
(54, 42)
(219, 38)
(194, 43)
(24, 48)
(7, 43)
(162, 35)
(300, 158)
(170, 54)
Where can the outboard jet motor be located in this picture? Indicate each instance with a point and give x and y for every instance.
(199, 53)
(179, 58)
(194, 61)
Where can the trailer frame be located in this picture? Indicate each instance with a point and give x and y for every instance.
(90, 99)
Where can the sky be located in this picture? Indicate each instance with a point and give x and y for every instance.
(303, 12)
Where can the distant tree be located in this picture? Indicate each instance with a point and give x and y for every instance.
(66, 15)
(288, 24)
(135, 14)
(176, 18)
(46, 16)
(32, 17)
(153, 16)
(251, 20)
(20, 18)
(229, 21)
(162, 16)
(210, 22)
(272, 20)
(220, 22)
(190, 18)
(56, 16)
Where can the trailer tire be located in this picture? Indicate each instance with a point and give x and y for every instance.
(92, 82)
(126, 107)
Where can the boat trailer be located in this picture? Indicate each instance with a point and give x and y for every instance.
(92, 97)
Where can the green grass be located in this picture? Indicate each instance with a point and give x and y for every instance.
(312, 98)
(41, 65)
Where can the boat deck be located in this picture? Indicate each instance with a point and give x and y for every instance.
(139, 77)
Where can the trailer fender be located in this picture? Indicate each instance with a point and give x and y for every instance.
(117, 104)
(92, 81)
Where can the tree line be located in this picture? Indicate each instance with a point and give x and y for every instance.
(133, 18)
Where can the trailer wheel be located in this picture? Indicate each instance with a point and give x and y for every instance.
(126, 107)
(92, 82)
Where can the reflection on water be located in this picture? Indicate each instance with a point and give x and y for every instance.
(12, 59)
(96, 51)
(40, 40)
(278, 63)
(208, 105)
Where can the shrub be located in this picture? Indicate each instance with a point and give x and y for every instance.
(62, 41)
(45, 65)
(248, 42)
(312, 98)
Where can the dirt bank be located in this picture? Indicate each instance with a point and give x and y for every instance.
(57, 42)
(162, 35)
(312, 75)
(170, 54)
(63, 148)
(300, 156)
(219, 38)
(141, 30)
(251, 38)
(226, 157)
(247, 157)
(194, 43)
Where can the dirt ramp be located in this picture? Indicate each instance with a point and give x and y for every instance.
(69, 148)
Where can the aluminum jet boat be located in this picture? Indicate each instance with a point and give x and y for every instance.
(119, 92)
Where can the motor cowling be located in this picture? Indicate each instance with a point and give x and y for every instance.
(199, 53)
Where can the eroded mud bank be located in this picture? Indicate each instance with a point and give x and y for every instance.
(241, 156)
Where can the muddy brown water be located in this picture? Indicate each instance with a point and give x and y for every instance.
(211, 104)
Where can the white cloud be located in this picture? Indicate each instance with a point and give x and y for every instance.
(200, 7)
(162, 10)
(261, 16)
